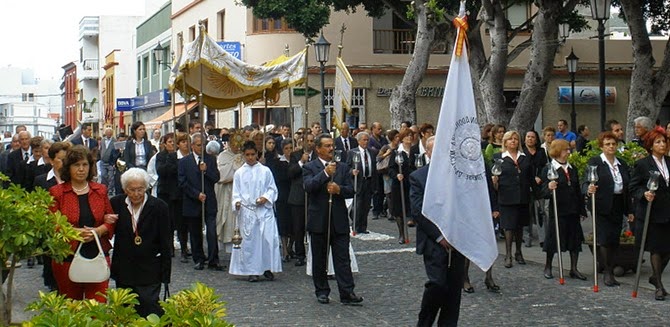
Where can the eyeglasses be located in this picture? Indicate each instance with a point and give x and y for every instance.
(137, 190)
(299, 133)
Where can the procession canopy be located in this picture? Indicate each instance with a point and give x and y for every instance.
(225, 81)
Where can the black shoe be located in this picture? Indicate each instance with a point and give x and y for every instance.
(652, 281)
(577, 274)
(467, 287)
(659, 295)
(391, 218)
(323, 299)
(548, 274)
(491, 286)
(286, 259)
(184, 259)
(508, 262)
(188, 253)
(199, 266)
(351, 299)
(300, 262)
(40, 260)
(253, 278)
(331, 277)
(31, 262)
(364, 232)
(383, 215)
(519, 258)
(217, 267)
(269, 275)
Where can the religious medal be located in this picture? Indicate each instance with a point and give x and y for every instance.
(138, 240)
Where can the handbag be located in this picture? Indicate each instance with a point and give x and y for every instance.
(84, 270)
(383, 165)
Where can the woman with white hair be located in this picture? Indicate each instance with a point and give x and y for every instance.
(142, 248)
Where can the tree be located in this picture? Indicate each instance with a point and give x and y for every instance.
(29, 228)
(648, 86)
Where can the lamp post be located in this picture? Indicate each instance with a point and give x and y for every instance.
(600, 11)
(322, 50)
(571, 62)
(564, 31)
(160, 53)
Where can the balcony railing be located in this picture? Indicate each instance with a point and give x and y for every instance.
(399, 41)
(89, 26)
(89, 69)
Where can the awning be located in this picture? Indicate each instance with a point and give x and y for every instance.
(179, 110)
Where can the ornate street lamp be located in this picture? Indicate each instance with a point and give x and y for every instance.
(571, 62)
(322, 50)
(159, 53)
(600, 11)
(564, 31)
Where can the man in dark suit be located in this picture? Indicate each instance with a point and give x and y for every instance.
(366, 171)
(86, 139)
(328, 224)
(143, 242)
(17, 161)
(444, 265)
(377, 141)
(296, 196)
(285, 134)
(419, 149)
(345, 143)
(107, 169)
(189, 179)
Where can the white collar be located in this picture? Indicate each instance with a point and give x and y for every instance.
(41, 161)
(324, 162)
(51, 174)
(422, 149)
(518, 154)
(179, 155)
(84, 138)
(557, 165)
(361, 150)
(138, 143)
(283, 158)
(604, 159)
(136, 215)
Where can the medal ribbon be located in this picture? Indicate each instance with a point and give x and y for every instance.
(135, 217)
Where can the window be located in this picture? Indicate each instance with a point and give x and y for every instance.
(180, 42)
(139, 69)
(145, 67)
(517, 14)
(269, 25)
(191, 33)
(220, 28)
(205, 23)
(154, 66)
(28, 97)
(357, 106)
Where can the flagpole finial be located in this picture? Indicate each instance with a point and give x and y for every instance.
(461, 9)
(340, 46)
(286, 50)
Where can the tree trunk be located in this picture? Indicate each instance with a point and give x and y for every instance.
(538, 73)
(6, 297)
(402, 103)
(647, 88)
(492, 78)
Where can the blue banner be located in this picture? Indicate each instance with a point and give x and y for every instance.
(234, 48)
(160, 98)
(124, 104)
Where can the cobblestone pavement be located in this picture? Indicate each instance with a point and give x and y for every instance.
(391, 281)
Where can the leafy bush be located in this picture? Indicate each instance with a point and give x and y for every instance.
(629, 153)
(198, 306)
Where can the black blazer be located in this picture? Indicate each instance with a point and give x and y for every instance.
(315, 180)
(514, 184)
(42, 181)
(569, 198)
(605, 191)
(129, 152)
(166, 168)
(660, 207)
(190, 185)
(279, 171)
(394, 170)
(372, 165)
(296, 194)
(426, 231)
(150, 262)
(92, 142)
(16, 168)
(339, 145)
(32, 171)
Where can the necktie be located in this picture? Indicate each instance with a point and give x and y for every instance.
(86, 143)
(365, 159)
(26, 157)
(346, 144)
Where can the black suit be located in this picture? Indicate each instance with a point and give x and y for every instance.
(316, 180)
(443, 289)
(168, 191)
(92, 142)
(32, 171)
(189, 178)
(659, 217)
(17, 167)
(296, 200)
(339, 145)
(41, 181)
(145, 266)
(363, 187)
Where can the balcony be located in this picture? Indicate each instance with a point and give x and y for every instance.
(91, 114)
(89, 26)
(90, 70)
(400, 41)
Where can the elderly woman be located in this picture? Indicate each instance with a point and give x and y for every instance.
(87, 208)
(612, 200)
(143, 243)
(658, 242)
(397, 172)
(512, 194)
(138, 150)
(570, 205)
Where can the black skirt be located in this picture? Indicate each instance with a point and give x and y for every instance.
(657, 237)
(608, 227)
(571, 233)
(514, 217)
(396, 208)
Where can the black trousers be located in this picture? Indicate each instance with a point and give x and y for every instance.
(377, 190)
(148, 297)
(341, 262)
(195, 230)
(298, 229)
(442, 291)
(363, 197)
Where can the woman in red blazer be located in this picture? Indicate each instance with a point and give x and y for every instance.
(87, 208)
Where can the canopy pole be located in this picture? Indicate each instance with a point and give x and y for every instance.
(174, 114)
(202, 122)
(290, 112)
(265, 126)
(306, 85)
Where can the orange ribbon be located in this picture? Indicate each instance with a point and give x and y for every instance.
(461, 23)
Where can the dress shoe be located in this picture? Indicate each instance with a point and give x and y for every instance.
(548, 274)
(253, 278)
(652, 281)
(351, 299)
(188, 253)
(491, 286)
(217, 267)
(383, 215)
(519, 258)
(323, 299)
(659, 295)
(199, 266)
(184, 259)
(269, 275)
(300, 262)
(286, 259)
(467, 287)
(609, 280)
(508, 262)
(577, 274)
(391, 218)
(411, 223)
(31, 262)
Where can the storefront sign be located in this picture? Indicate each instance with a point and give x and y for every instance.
(234, 48)
(426, 91)
(586, 95)
(124, 104)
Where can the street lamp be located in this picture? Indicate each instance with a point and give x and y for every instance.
(564, 31)
(159, 53)
(571, 62)
(600, 11)
(322, 50)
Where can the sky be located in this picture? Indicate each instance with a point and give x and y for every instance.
(43, 34)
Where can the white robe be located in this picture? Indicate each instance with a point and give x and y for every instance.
(227, 162)
(260, 241)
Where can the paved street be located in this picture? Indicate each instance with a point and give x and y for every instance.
(391, 281)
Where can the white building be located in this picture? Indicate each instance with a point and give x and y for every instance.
(26, 100)
(99, 36)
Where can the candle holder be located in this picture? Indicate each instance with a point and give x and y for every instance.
(496, 170)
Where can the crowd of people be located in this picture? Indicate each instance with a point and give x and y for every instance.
(262, 194)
